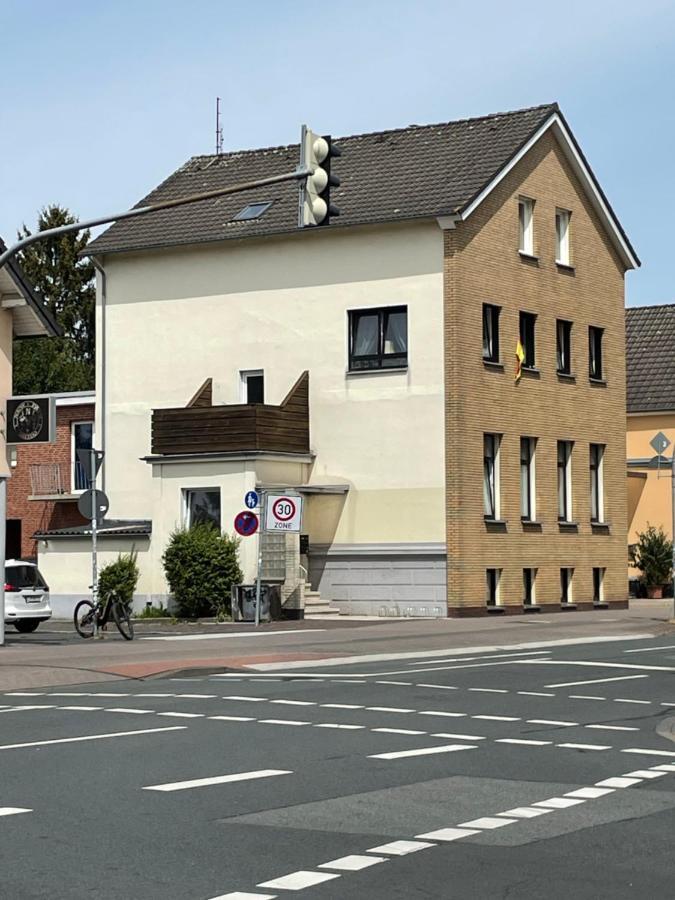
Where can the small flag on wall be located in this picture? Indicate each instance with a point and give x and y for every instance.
(520, 356)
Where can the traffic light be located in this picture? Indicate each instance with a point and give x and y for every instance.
(316, 153)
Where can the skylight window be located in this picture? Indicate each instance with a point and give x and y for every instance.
(252, 211)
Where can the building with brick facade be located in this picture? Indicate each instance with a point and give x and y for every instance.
(46, 480)
(370, 367)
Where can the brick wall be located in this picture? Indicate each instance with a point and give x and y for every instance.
(482, 265)
(38, 515)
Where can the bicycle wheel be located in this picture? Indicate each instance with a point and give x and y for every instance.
(83, 618)
(123, 620)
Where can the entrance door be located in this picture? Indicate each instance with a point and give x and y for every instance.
(13, 541)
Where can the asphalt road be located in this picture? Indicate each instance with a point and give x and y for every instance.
(520, 774)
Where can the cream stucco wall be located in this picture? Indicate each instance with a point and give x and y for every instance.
(649, 499)
(174, 318)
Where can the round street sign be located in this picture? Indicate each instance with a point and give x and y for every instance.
(93, 500)
(246, 523)
(283, 509)
(252, 499)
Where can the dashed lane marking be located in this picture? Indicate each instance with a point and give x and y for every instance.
(487, 822)
(524, 812)
(534, 694)
(401, 848)
(397, 731)
(625, 700)
(295, 702)
(341, 706)
(233, 718)
(438, 712)
(338, 725)
(13, 810)
(217, 779)
(651, 649)
(132, 710)
(560, 684)
(298, 881)
(451, 834)
(522, 741)
(392, 709)
(489, 690)
(619, 782)
(559, 802)
(551, 722)
(498, 718)
(585, 697)
(585, 746)
(244, 895)
(282, 722)
(423, 751)
(182, 715)
(590, 793)
(612, 727)
(649, 752)
(91, 737)
(460, 737)
(353, 863)
(645, 773)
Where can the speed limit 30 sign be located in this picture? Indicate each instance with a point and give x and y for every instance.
(283, 513)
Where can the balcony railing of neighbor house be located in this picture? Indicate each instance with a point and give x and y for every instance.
(47, 479)
(201, 427)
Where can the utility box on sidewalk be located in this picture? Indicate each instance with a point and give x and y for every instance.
(243, 602)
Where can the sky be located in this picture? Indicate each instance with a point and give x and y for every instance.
(102, 101)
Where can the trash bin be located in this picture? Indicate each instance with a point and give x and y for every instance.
(243, 602)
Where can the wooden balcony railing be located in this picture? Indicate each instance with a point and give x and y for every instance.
(203, 428)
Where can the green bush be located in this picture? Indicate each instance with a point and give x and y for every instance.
(653, 556)
(120, 578)
(201, 566)
(154, 612)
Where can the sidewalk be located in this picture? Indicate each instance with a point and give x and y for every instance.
(55, 655)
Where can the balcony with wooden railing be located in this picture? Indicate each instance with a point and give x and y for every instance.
(52, 481)
(200, 427)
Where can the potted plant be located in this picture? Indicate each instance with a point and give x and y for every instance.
(653, 556)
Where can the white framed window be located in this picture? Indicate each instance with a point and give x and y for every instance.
(81, 438)
(491, 500)
(597, 453)
(598, 584)
(252, 386)
(201, 506)
(565, 481)
(492, 591)
(562, 237)
(566, 578)
(528, 501)
(525, 226)
(529, 587)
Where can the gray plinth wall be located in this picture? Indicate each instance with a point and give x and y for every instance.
(381, 579)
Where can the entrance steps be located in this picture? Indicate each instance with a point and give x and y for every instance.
(315, 607)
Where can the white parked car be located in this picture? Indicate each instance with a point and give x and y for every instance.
(26, 596)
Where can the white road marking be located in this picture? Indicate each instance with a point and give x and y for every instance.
(243, 895)
(217, 779)
(644, 773)
(27, 708)
(487, 822)
(490, 690)
(524, 812)
(534, 694)
(401, 848)
(91, 737)
(522, 741)
(337, 725)
(482, 657)
(294, 702)
(594, 681)
(585, 697)
(28, 694)
(461, 737)
(224, 637)
(81, 708)
(250, 699)
(341, 706)
(666, 767)
(353, 863)
(136, 712)
(436, 712)
(195, 696)
(234, 718)
(298, 881)
(13, 810)
(618, 782)
(442, 687)
(586, 747)
(449, 834)
(550, 722)
(282, 722)
(624, 700)
(558, 802)
(612, 727)
(423, 751)
(397, 731)
(393, 709)
(406, 683)
(593, 665)
(182, 715)
(651, 649)
(498, 718)
(154, 695)
(590, 793)
(668, 704)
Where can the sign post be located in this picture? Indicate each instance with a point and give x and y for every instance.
(258, 581)
(91, 504)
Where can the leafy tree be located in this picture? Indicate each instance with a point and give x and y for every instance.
(119, 577)
(201, 565)
(653, 556)
(65, 282)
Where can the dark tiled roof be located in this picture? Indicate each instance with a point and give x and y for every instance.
(386, 176)
(107, 528)
(650, 358)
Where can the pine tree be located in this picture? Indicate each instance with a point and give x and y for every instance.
(65, 283)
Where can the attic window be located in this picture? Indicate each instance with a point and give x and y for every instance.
(252, 211)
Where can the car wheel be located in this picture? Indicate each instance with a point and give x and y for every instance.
(25, 626)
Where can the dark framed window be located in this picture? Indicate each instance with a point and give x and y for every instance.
(598, 577)
(202, 507)
(564, 481)
(253, 386)
(528, 586)
(566, 585)
(595, 367)
(378, 338)
(527, 328)
(563, 341)
(527, 489)
(491, 476)
(491, 332)
(595, 464)
(492, 587)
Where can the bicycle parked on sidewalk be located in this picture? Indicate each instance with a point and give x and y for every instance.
(86, 613)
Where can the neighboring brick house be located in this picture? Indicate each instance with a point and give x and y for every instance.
(369, 366)
(46, 481)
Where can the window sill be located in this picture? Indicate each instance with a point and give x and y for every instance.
(394, 370)
(570, 525)
(600, 526)
(531, 371)
(528, 257)
(531, 524)
(493, 364)
(566, 376)
(601, 382)
(565, 267)
(490, 521)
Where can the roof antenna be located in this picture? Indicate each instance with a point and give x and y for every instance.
(219, 129)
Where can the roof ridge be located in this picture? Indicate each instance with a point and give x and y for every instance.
(650, 306)
(554, 107)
